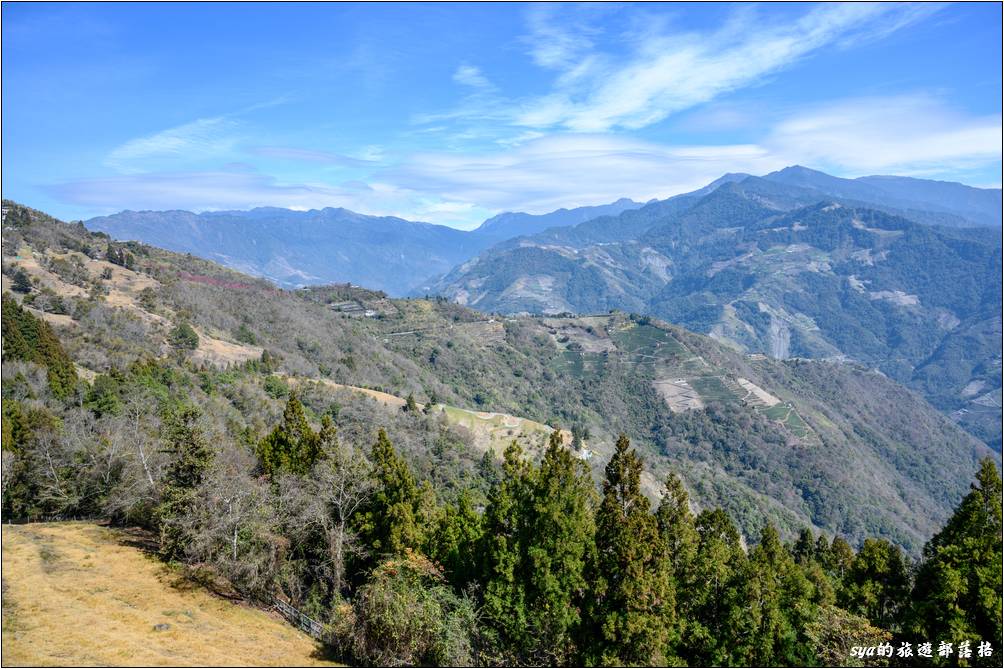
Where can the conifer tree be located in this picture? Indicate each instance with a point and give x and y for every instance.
(327, 437)
(804, 549)
(877, 583)
(714, 603)
(26, 337)
(21, 282)
(632, 607)
(838, 558)
(397, 514)
(183, 337)
(957, 593)
(503, 555)
(186, 441)
(455, 542)
(539, 536)
(292, 446)
(560, 544)
(679, 535)
(777, 606)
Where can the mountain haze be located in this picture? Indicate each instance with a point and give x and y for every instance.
(517, 224)
(295, 248)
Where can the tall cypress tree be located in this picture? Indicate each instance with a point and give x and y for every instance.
(539, 536)
(186, 441)
(714, 602)
(503, 550)
(877, 584)
(776, 601)
(679, 541)
(632, 609)
(292, 446)
(455, 541)
(396, 518)
(957, 593)
(679, 535)
(560, 544)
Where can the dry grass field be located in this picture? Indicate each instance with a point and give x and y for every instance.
(82, 595)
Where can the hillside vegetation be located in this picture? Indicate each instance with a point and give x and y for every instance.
(340, 450)
(78, 594)
(834, 447)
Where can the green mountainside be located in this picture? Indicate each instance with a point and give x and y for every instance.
(775, 268)
(830, 446)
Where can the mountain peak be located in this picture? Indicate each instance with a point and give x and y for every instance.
(798, 171)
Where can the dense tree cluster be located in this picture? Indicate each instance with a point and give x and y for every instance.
(529, 564)
(28, 338)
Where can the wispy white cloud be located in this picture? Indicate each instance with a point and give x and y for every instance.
(224, 189)
(654, 70)
(915, 134)
(469, 75)
(210, 138)
(572, 170)
(910, 134)
(559, 39)
(203, 138)
(310, 156)
(906, 134)
(667, 71)
(247, 188)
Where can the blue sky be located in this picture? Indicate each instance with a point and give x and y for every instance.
(450, 113)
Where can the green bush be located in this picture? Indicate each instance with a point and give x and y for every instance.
(184, 337)
(406, 614)
(275, 387)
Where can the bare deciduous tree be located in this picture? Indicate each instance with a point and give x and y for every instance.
(233, 528)
(136, 493)
(336, 489)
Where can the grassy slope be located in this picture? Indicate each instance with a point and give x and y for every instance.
(80, 594)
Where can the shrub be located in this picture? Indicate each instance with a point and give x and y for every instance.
(21, 282)
(406, 614)
(184, 337)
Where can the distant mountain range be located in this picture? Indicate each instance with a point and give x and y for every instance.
(777, 265)
(923, 200)
(517, 224)
(294, 248)
(898, 273)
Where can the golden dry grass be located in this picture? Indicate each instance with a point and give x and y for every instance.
(79, 594)
(218, 352)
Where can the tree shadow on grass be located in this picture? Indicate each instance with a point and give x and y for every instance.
(139, 538)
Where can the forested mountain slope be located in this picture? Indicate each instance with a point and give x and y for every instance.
(801, 443)
(766, 267)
